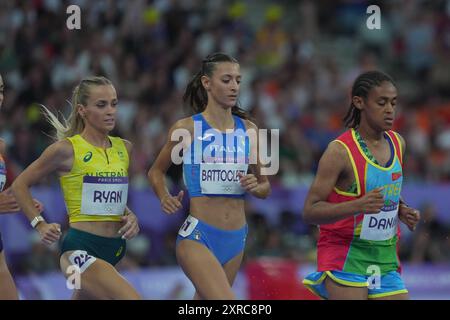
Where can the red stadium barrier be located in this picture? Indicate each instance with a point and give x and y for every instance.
(275, 279)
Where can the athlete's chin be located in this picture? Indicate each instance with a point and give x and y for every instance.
(228, 105)
(108, 129)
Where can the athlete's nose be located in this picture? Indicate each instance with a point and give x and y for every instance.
(390, 108)
(111, 109)
(234, 86)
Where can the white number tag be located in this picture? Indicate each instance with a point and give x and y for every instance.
(222, 178)
(104, 196)
(81, 259)
(2, 174)
(188, 226)
(380, 226)
(2, 181)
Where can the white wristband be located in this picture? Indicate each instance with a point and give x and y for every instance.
(36, 221)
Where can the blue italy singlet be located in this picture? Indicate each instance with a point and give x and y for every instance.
(214, 160)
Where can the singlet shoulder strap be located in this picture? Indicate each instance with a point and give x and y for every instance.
(239, 123)
(347, 139)
(397, 144)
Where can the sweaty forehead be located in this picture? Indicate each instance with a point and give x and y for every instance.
(385, 89)
(224, 68)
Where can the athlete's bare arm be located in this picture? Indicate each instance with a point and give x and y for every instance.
(331, 166)
(58, 157)
(406, 214)
(157, 172)
(7, 201)
(255, 183)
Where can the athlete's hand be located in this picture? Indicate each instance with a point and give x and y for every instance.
(38, 205)
(131, 227)
(409, 216)
(248, 182)
(49, 232)
(171, 204)
(371, 202)
(8, 202)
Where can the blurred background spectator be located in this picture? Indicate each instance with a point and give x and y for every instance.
(431, 240)
(298, 60)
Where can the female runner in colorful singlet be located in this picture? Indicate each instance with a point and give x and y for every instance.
(355, 200)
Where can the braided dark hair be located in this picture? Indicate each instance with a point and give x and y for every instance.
(195, 95)
(361, 87)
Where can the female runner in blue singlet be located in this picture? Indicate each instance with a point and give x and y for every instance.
(217, 171)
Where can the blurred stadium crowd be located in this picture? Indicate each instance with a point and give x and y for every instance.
(298, 61)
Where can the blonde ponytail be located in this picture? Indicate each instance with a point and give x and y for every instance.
(75, 123)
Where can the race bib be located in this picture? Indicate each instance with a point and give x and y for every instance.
(104, 196)
(81, 259)
(380, 226)
(2, 174)
(2, 181)
(188, 226)
(221, 178)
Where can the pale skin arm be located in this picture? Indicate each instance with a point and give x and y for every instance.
(58, 157)
(157, 172)
(130, 226)
(407, 215)
(256, 184)
(317, 210)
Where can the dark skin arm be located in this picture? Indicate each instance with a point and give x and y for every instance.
(407, 215)
(332, 165)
